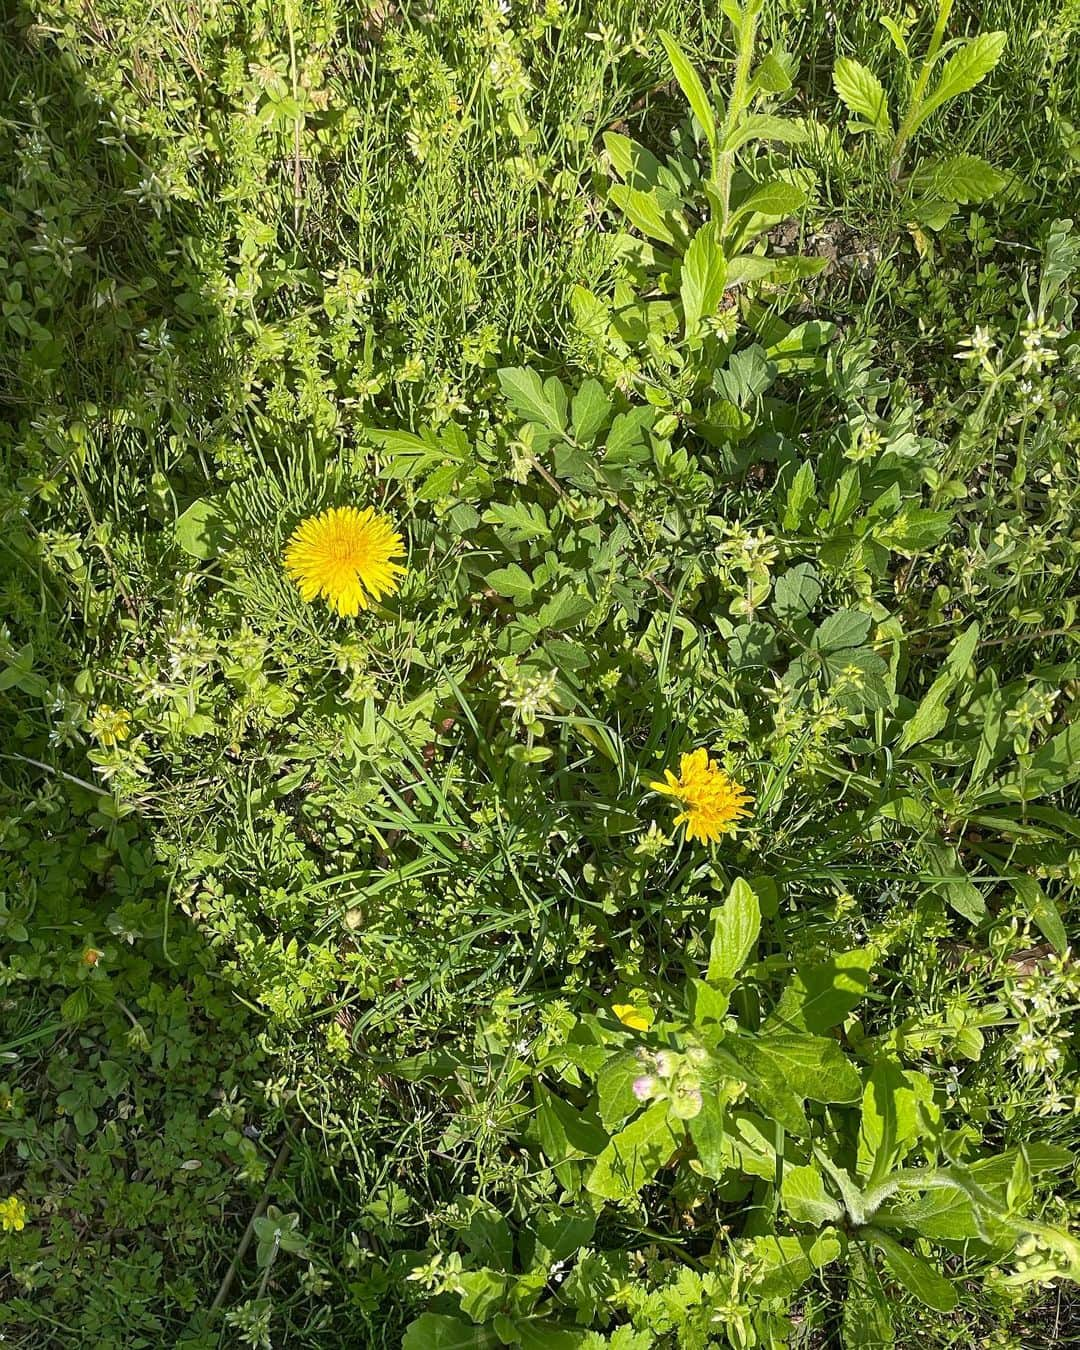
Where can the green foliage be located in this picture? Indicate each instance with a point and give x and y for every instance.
(355, 986)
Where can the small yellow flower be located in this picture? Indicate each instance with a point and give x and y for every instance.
(12, 1214)
(345, 555)
(711, 801)
(631, 1017)
(109, 726)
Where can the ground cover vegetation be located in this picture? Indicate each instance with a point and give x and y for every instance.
(538, 674)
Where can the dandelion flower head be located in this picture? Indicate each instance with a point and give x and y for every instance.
(346, 556)
(712, 802)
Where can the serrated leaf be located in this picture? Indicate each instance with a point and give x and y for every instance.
(803, 1195)
(518, 522)
(513, 582)
(692, 87)
(702, 278)
(634, 1155)
(810, 1066)
(536, 400)
(798, 590)
(961, 178)
(590, 412)
(963, 71)
(864, 95)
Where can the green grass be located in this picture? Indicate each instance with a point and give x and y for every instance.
(333, 928)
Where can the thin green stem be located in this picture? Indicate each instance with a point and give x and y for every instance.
(918, 94)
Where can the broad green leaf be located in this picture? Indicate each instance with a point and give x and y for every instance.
(536, 400)
(199, 530)
(637, 167)
(963, 71)
(803, 1195)
(735, 928)
(565, 609)
(434, 1331)
(811, 1066)
(915, 1274)
(801, 344)
(702, 278)
(747, 267)
(867, 1321)
(1042, 911)
(1052, 767)
(482, 1292)
(764, 127)
(961, 178)
(913, 529)
(798, 590)
(890, 1117)
(692, 87)
(513, 582)
(707, 1131)
(560, 1233)
(801, 494)
(644, 210)
(788, 1262)
(846, 628)
(518, 522)
(946, 1212)
(772, 76)
(862, 92)
(819, 997)
(931, 715)
(772, 199)
(615, 1088)
(565, 1131)
(634, 1155)
(952, 882)
(590, 412)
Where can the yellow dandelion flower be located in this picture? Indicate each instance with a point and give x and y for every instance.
(712, 802)
(630, 1016)
(345, 555)
(12, 1214)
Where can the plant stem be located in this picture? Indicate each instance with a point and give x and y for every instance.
(745, 36)
(918, 94)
